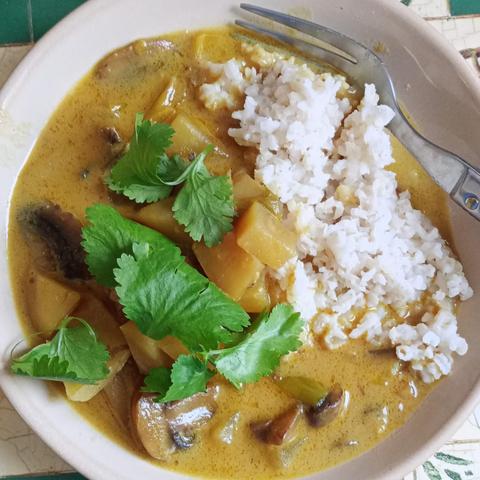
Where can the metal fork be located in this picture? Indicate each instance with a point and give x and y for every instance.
(453, 174)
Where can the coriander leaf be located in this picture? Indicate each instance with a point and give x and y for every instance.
(109, 235)
(453, 475)
(204, 205)
(187, 377)
(157, 381)
(259, 353)
(164, 296)
(139, 172)
(74, 354)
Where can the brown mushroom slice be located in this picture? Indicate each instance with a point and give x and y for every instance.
(279, 429)
(152, 427)
(61, 234)
(192, 412)
(326, 410)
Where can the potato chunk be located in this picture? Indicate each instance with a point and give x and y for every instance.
(246, 190)
(215, 47)
(77, 392)
(146, 352)
(163, 109)
(262, 235)
(256, 298)
(49, 302)
(227, 265)
(159, 216)
(192, 136)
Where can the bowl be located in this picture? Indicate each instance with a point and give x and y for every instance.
(436, 87)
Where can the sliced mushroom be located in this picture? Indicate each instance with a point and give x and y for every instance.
(326, 410)
(279, 429)
(166, 428)
(152, 427)
(61, 234)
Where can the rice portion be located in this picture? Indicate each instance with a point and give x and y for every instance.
(364, 253)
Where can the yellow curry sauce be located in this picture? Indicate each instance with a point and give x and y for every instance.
(67, 167)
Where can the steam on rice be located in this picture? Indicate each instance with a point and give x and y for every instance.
(364, 253)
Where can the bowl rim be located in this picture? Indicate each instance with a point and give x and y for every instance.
(35, 55)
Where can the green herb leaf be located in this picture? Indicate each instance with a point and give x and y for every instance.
(139, 172)
(259, 353)
(453, 475)
(205, 203)
(74, 354)
(431, 471)
(445, 457)
(187, 377)
(164, 296)
(109, 235)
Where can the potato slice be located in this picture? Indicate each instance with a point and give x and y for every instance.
(192, 136)
(264, 236)
(256, 298)
(77, 392)
(246, 190)
(49, 302)
(146, 352)
(102, 320)
(159, 216)
(163, 109)
(173, 347)
(228, 266)
(215, 47)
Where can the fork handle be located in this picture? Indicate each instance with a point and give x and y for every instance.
(453, 174)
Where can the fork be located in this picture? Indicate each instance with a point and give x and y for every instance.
(453, 174)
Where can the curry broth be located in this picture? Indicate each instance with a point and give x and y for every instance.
(67, 167)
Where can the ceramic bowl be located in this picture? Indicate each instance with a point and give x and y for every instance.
(433, 82)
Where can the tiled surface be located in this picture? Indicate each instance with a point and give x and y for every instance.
(21, 451)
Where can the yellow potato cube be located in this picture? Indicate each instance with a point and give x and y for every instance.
(192, 136)
(256, 298)
(163, 109)
(246, 190)
(264, 236)
(173, 347)
(227, 265)
(49, 302)
(146, 352)
(215, 47)
(159, 216)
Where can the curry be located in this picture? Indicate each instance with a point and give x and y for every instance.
(233, 437)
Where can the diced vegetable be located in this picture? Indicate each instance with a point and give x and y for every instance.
(102, 321)
(262, 235)
(192, 136)
(280, 429)
(159, 216)
(83, 393)
(304, 389)
(163, 109)
(227, 265)
(173, 347)
(256, 298)
(327, 410)
(246, 190)
(146, 352)
(49, 302)
(215, 47)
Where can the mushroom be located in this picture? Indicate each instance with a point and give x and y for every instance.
(279, 429)
(327, 409)
(61, 233)
(164, 428)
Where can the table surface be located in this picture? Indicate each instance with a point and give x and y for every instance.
(23, 453)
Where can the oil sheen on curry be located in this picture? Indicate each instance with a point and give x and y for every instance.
(216, 245)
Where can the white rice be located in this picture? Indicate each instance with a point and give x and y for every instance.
(362, 247)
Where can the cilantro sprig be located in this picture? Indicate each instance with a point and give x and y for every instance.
(159, 291)
(145, 173)
(74, 354)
